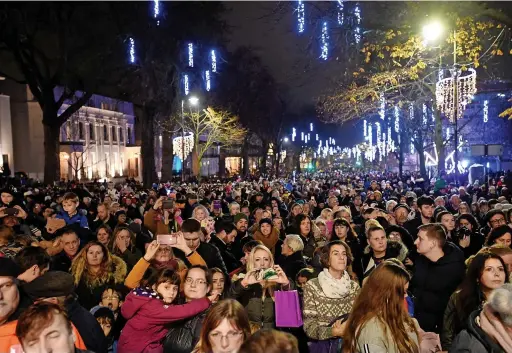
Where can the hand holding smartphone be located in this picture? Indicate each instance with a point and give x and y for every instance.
(166, 239)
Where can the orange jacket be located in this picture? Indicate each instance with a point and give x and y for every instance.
(9, 342)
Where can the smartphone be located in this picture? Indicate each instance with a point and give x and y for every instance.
(166, 239)
(216, 205)
(168, 204)
(11, 211)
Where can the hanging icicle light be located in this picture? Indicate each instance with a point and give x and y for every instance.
(411, 112)
(341, 17)
(156, 9)
(425, 117)
(324, 48)
(486, 111)
(188, 144)
(466, 89)
(185, 84)
(357, 13)
(310, 126)
(208, 81)
(301, 17)
(378, 139)
(447, 133)
(389, 144)
(190, 55)
(132, 50)
(294, 133)
(317, 138)
(213, 59)
(382, 110)
(302, 136)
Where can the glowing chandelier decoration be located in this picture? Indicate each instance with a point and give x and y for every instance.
(324, 40)
(188, 144)
(486, 111)
(301, 17)
(466, 89)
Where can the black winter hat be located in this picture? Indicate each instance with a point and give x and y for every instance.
(9, 268)
(51, 284)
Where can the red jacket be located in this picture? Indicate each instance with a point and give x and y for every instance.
(147, 319)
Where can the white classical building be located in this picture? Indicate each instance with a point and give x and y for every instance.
(98, 141)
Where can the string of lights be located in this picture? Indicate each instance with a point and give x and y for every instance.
(341, 17)
(486, 111)
(425, 117)
(357, 34)
(156, 10)
(132, 50)
(190, 55)
(324, 48)
(301, 17)
(186, 84)
(365, 126)
(208, 81)
(397, 119)
(213, 58)
(382, 110)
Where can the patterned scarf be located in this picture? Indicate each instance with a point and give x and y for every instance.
(332, 287)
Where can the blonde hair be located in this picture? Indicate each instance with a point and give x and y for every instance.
(294, 242)
(200, 207)
(250, 261)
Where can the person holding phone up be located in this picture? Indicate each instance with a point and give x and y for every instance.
(163, 217)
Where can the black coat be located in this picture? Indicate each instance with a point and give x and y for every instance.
(412, 226)
(87, 327)
(60, 262)
(211, 255)
(474, 339)
(183, 335)
(292, 264)
(433, 283)
(238, 245)
(231, 262)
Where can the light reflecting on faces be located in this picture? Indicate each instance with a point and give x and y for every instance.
(196, 286)
(95, 255)
(378, 241)
(395, 236)
(265, 229)
(163, 254)
(70, 243)
(493, 275)
(225, 338)
(262, 259)
(338, 258)
(423, 243)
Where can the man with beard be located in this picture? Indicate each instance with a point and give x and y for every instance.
(401, 212)
(241, 224)
(426, 207)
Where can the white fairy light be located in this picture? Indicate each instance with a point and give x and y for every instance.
(213, 58)
(365, 126)
(341, 17)
(188, 144)
(466, 89)
(357, 35)
(397, 119)
(486, 111)
(190, 55)
(301, 17)
(324, 47)
(132, 50)
(425, 117)
(185, 83)
(310, 126)
(382, 110)
(208, 81)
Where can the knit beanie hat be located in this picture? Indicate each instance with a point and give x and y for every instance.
(240, 216)
(266, 220)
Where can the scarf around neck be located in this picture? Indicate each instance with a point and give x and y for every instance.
(492, 325)
(332, 287)
(270, 241)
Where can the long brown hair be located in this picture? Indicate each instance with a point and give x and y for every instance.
(229, 309)
(382, 298)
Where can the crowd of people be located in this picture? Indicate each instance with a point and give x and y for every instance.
(365, 263)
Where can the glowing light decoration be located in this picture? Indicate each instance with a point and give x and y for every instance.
(466, 89)
(378, 139)
(390, 141)
(357, 34)
(208, 80)
(411, 112)
(302, 136)
(132, 50)
(397, 119)
(486, 111)
(341, 17)
(317, 138)
(425, 117)
(213, 59)
(382, 110)
(188, 144)
(294, 133)
(324, 48)
(370, 137)
(301, 17)
(365, 127)
(156, 10)
(447, 133)
(190, 55)
(185, 84)
(310, 126)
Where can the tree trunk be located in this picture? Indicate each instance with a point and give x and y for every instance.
(51, 150)
(278, 154)
(245, 157)
(222, 163)
(167, 156)
(146, 117)
(196, 164)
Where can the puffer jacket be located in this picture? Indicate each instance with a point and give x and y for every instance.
(394, 249)
(474, 339)
(147, 318)
(433, 283)
(261, 311)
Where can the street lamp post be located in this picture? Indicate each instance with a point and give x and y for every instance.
(193, 101)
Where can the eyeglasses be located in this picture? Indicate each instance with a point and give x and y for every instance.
(200, 282)
(230, 336)
(111, 297)
(498, 221)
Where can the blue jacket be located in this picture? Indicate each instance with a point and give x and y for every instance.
(77, 218)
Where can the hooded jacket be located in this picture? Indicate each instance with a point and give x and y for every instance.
(147, 318)
(433, 283)
(394, 249)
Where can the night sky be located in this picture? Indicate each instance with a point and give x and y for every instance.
(271, 29)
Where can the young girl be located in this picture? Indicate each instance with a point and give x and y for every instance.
(149, 308)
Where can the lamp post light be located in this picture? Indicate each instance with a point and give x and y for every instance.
(192, 101)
